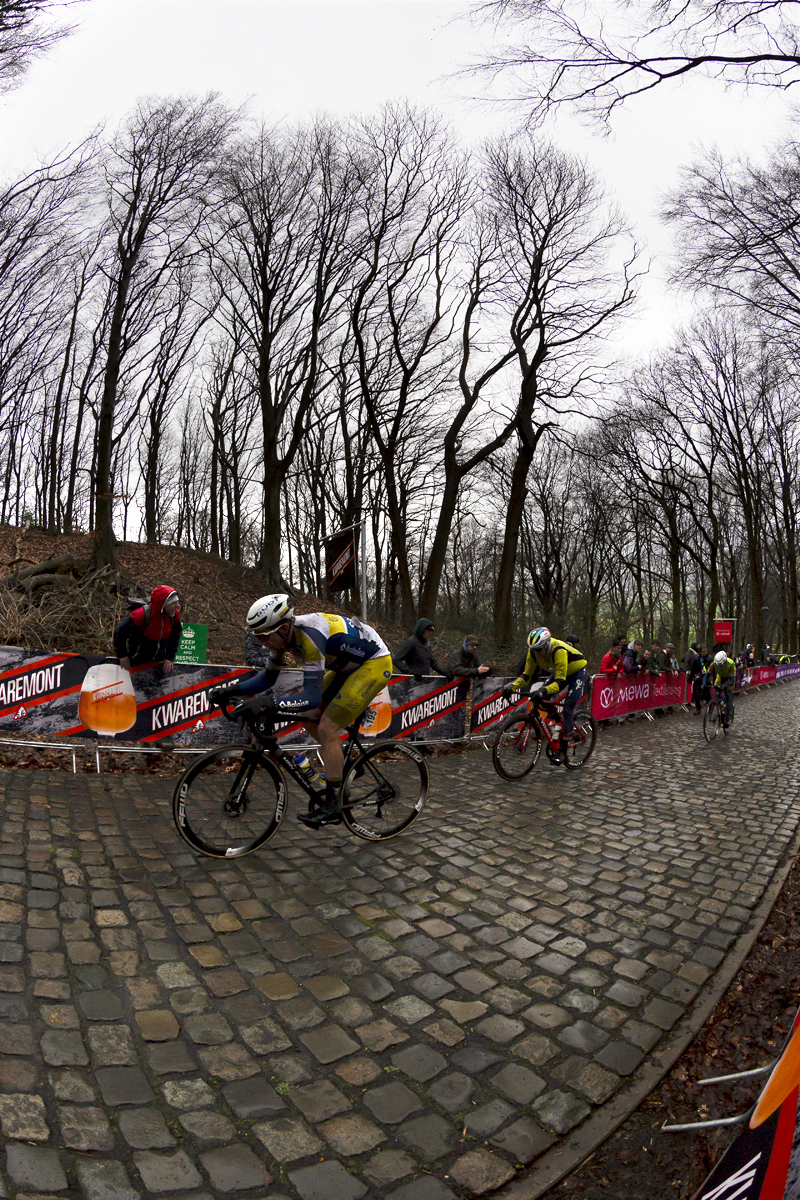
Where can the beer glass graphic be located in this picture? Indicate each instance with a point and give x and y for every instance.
(107, 703)
(378, 715)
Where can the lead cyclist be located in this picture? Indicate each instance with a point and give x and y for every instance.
(329, 647)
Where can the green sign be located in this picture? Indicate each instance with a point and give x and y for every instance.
(193, 643)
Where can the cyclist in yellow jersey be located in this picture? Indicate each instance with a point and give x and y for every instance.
(330, 647)
(723, 676)
(568, 668)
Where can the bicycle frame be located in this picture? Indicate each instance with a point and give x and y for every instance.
(285, 762)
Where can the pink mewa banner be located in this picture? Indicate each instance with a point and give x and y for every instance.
(618, 695)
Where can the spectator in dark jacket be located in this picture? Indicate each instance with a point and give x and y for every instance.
(648, 665)
(671, 664)
(656, 660)
(690, 655)
(464, 663)
(631, 657)
(150, 633)
(415, 656)
(255, 655)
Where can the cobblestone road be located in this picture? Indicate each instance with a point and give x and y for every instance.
(330, 1019)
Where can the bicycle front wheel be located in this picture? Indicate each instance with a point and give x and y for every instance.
(229, 802)
(581, 740)
(712, 720)
(517, 746)
(384, 790)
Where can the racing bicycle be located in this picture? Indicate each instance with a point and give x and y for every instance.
(519, 740)
(714, 718)
(232, 800)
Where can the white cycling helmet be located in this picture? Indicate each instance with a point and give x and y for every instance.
(720, 658)
(539, 640)
(269, 612)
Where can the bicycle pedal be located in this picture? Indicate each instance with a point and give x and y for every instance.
(311, 821)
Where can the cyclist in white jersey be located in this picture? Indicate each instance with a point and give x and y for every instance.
(331, 647)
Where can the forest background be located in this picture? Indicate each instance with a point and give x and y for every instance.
(237, 336)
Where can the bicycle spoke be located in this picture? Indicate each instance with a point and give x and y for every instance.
(517, 746)
(229, 802)
(384, 791)
(581, 740)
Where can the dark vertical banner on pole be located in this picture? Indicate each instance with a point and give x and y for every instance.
(340, 561)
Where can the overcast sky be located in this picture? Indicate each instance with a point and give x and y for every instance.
(295, 58)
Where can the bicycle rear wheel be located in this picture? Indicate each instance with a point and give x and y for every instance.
(517, 746)
(581, 740)
(712, 720)
(384, 790)
(229, 802)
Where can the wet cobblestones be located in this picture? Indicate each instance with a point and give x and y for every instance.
(330, 1018)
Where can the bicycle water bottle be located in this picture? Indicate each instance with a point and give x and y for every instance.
(307, 769)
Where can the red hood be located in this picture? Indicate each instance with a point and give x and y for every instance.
(158, 598)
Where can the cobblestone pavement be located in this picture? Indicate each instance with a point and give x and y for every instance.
(330, 1019)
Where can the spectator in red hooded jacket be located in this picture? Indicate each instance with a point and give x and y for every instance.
(150, 633)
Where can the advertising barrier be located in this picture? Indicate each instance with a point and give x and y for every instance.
(76, 695)
(62, 695)
(619, 695)
(488, 706)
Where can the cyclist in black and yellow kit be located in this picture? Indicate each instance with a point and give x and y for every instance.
(568, 668)
(723, 677)
(330, 647)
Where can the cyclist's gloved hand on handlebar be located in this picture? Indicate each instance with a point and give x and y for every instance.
(261, 705)
(507, 691)
(223, 695)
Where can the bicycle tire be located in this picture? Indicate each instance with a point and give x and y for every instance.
(384, 790)
(516, 747)
(212, 819)
(712, 720)
(580, 750)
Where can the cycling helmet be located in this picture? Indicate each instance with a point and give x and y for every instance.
(539, 640)
(268, 613)
(720, 658)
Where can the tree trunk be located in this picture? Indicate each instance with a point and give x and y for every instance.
(503, 617)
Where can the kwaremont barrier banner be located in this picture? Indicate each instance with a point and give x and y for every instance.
(78, 695)
(488, 706)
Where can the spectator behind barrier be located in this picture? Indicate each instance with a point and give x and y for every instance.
(689, 657)
(611, 663)
(255, 655)
(656, 663)
(631, 663)
(647, 664)
(150, 633)
(671, 664)
(464, 663)
(415, 656)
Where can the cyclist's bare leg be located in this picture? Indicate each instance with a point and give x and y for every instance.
(328, 734)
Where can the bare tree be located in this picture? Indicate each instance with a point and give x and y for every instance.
(25, 34)
(278, 256)
(597, 57)
(158, 175)
(738, 233)
(557, 238)
(414, 195)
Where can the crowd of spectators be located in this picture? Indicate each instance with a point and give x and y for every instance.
(636, 659)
